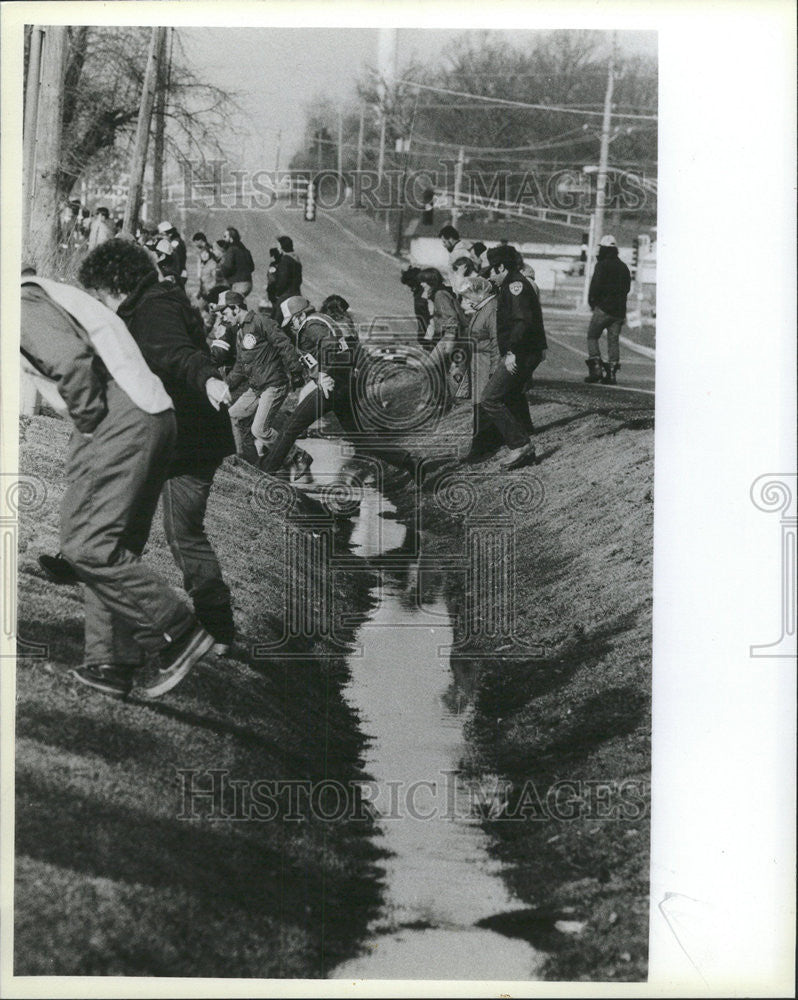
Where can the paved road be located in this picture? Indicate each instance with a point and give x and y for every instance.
(336, 259)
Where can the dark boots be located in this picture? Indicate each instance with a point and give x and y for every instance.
(609, 373)
(594, 368)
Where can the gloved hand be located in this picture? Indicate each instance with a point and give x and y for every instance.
(217, 393)
(326, 383)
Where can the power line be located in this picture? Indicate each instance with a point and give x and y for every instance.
(522, 104)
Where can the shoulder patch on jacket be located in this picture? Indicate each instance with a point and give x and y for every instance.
(516, 287)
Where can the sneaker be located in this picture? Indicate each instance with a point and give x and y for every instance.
(58, 570)
(518, 457)
(180, 658)
(110, 678)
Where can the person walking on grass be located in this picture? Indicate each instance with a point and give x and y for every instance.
(609, 288)
(521, 341)
(170, 335)
(267, 362)
(123, 436)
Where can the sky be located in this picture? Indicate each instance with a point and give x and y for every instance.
(280, 71)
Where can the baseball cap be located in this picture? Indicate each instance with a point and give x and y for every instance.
(608, 241)
(165, 227)
(229, 299)
(293, 305)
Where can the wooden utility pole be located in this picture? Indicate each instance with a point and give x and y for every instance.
(42, 235)
(360, 136)
(277, 151)
(160, 132)
(138, 157)
(597, 219)
(340, 144)
(458, 184)
(29, 127)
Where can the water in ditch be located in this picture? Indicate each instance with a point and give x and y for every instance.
(439, 878)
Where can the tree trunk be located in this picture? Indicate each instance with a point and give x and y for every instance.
(42, 236)
(158, 138)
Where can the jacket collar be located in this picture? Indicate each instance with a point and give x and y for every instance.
(148, 282)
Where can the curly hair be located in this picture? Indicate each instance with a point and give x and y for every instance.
(116, 266)
(431, 276)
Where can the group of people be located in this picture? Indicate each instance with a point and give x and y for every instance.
(80, 229)
(482, 322)
(149, 382)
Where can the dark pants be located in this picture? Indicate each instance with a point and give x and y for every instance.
(314, 406)
(185, 500)
(113, 482)
(599, 322)
(504, 402)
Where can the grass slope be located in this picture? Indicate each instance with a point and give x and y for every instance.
(110, 881)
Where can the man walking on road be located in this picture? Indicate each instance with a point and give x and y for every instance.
(122, 441)
(267, 361)
(170, 335)
(606, 296)
(237, 264)
(521, 341)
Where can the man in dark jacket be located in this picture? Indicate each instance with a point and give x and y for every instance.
(267, 362)
(237, 264)
(606, 296)
(171, 337)
(123, 437)
(167, 231)
(288, 273)
(333, 360)
(521, 340)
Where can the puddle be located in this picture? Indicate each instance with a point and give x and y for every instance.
(439, 878)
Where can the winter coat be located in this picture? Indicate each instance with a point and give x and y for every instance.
(237, 264)
(270, 362)
(330, 346)
(519, 319)
(171, 336)
(287, 277)
(482, 334)
(447, 316)
(610, 283)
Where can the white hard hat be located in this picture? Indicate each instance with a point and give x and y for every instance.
(608, 241)
(165, 227)
(292, 306)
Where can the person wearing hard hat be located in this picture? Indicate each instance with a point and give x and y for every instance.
(167, 231)
(606, 296)
(333, 360)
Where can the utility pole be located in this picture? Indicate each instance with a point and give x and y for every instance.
(138, 157)
(360, 136)
(340, 144)
(458, 184)
(597, 218)
(43, 209)
(319, 161)
(31, 114)
(160, 129)
(277, 151)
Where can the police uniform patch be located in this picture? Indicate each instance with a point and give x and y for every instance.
(516, 287)
(248, 341)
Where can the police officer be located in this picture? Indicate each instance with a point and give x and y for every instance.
(332, 359)
(521, 340)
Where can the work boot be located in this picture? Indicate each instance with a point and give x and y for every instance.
(519, 456)
(609, 373)
(58, 570)
(594, 369)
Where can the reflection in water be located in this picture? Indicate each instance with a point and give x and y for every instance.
(439, 877)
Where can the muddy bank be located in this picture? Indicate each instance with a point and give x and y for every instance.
(559, 730)
(124, 866)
